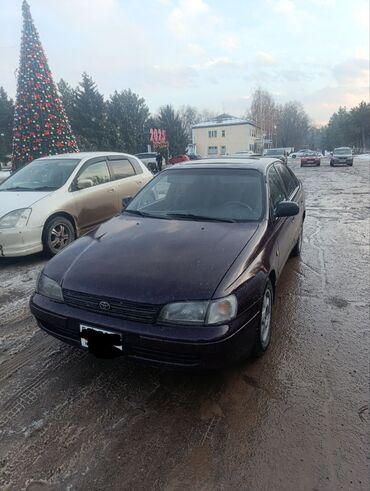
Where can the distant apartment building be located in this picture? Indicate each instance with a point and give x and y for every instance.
(226, 135)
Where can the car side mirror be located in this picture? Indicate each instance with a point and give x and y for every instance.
(84, 183)
(286, 209)
(126, 201)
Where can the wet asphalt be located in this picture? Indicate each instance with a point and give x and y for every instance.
(296, 419)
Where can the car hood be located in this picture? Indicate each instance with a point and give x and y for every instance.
(151, 260)
(14, 200)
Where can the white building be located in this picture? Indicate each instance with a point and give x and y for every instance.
(226, 135)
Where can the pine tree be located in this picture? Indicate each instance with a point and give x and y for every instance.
(6, 124)
(88, 115)
(67, 94)
(41, 126)
(128, 117)
(170, 120)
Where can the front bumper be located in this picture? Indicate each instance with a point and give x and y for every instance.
(184, 347)
(344, 161)
(20, 242)
(310, 162)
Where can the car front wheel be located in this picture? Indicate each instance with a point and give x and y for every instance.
(263, 336)
(58, 233)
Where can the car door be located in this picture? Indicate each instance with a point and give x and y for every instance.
(279, 225)
(94, 195)
(125, 179)
(293, 193)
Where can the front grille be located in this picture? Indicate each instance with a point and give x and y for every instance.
(133, 311)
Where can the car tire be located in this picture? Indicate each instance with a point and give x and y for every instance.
(58, 233)
(350, 165)
(263, 334)
(296, 251)
(318, 165)
(331, 164)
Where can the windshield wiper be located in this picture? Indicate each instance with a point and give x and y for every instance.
(45, 188)
(190, 216)
(17, 188)
(144, 214)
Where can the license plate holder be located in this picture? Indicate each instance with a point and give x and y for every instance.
(96, 337)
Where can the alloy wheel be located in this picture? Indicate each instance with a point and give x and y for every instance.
(265, 329)
(59, 237)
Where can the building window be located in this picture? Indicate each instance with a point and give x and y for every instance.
(223, 133)
(223, 150)
(212, 134)
(212, 150)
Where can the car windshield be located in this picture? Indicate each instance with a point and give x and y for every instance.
(202, 194)
(342, 151)
(41, 175)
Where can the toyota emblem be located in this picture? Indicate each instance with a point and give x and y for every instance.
(104, 306)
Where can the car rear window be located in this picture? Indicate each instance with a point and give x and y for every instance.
(121, 169)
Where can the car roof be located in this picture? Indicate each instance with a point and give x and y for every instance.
(260, 164)
(82, 155)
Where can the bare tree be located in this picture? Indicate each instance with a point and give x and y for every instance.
(292, 125)
(263, 111)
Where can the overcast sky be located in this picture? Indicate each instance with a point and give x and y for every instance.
(207, 53)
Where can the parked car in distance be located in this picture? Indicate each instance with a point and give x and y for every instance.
(295, 155)
(4, 174)
(276, 153)
(149, 159)
(311, 159)
(53, 200)
(178, 159)
(192, 156)
(185, 277)
(342, 155)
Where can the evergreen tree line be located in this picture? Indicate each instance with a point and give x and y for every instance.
(122, 122)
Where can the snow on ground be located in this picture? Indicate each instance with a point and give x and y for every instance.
(364, 156)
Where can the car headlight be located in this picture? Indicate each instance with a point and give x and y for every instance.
(16, 218)
(205, 312)
(222, 310)
(49, 288)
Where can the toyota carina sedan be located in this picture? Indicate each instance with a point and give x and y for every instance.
(186, 275)
(53, 200)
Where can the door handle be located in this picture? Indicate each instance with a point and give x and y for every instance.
(110, 190)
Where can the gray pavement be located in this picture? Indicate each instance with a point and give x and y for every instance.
(296, 419)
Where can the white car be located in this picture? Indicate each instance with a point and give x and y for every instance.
(4, 175)
(53, 200)
(149, 159)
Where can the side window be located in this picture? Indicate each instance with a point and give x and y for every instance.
(96, 172)
(289, 183)
(121, 169)
(277, 193)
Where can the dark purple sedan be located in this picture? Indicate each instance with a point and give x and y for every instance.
(185, 277)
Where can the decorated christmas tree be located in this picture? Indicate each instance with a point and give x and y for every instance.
(41, 126)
